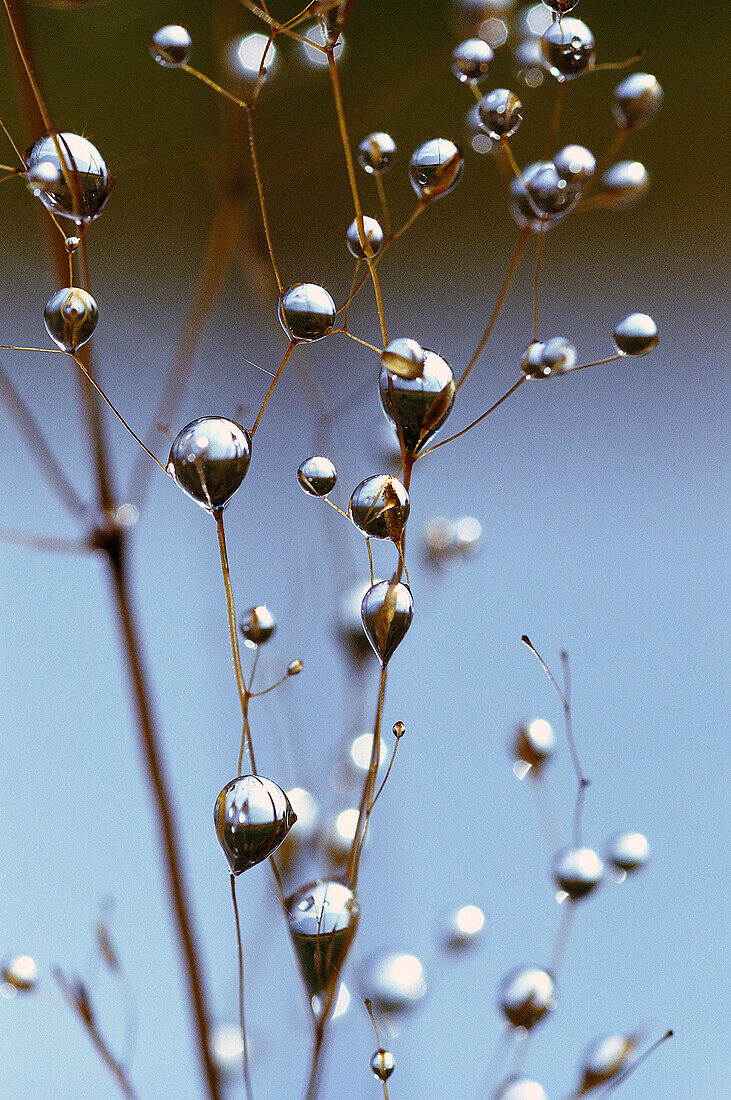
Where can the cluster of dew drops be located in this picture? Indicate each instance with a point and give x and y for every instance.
(209, 459)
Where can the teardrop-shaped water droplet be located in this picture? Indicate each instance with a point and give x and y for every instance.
(71, 316)
(252, 817)
(387, 611)
(322, 918)
(419, 406)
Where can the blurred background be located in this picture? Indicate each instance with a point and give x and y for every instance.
(601, 504)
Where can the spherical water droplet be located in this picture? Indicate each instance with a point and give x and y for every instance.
(20, 972)
(532, 362)
(561, 7)
(376, 153)
(394, 982)
(520, 1088)
(317, 476)
(604, 1058)
(209, 459)
(373, 234)
(252, 817)
(628, 852)
(624, 183)
(435, 169)
(399, 729)
(575, 164)
(577, 871)
(404, 358)
(322, 918)
(170, 46)
(463, 928)
(522, 208)
(549, 194)
(636, 334)
(379, 507)
(294, 667)
(72, 243)
(387, 611)
(71, 316)
(534, 742)
(382, 1064)
(558, 356)
(500, 113)
(526, 994)
(419, 406)
(637, 100)
(306, 312)
(471, 60)
(257, 625)
(568, 47)
(91, 181)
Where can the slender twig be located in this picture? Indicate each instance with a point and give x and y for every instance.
(562, 937)
(369, 784)
(43, 542)
(242, 1010)
(273, 386)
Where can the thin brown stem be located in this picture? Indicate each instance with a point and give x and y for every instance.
(622, 1077)
(384, 205)
(550, 147)
(350, 166)
(369, 784)
(77, 1000)
(273, 385)
(214, 86)
(260, 193)
(510, 275)
(562, 938)
(242, 1010)
(536, 279)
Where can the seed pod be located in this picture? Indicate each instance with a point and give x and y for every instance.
(419, 406)
(75, 184)
(71, 316)
(577, 871)
(376, 153)
(637, 100)
(435, 169)
(306, 312)
(379, 507)
(387, 611)
(252, 817)
(500, 113)
(322, 918)
(170, 46)
(209, 459)
(526, 995)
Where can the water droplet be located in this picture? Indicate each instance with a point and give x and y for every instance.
(257, 625)
(170, 46)
(340, 834)
(403, 358)
(387, 611)
(209, 459)
(575, 164)
(317, 476)
(395, 983)
(306, 312)
(637, 100)
(71, 316)
(72, 243)
(568, 47)
(399, 729)
(418, 405)
(379, 507)
(373, 233)
(435, 169)
(604, 1058)
(636, 334)
(322, 918)
(577, 871)
(91, 181)
(376, 153)
(244, 57)
(520, 1088)
(526, 994)
(382, 1064)
(463, 928)
(252, 817)
(500, 113)
(471, 60)
(294, 667)
(534, 742)
(20, 973)
(558, 357)
(624, 183)
(305, 806)
(628, 852)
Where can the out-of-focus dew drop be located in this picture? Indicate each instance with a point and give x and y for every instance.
(350, 623)
(627, 852)
(322, 918)
(18, 974)
(244, 57)
(349, 772)
(257, 626)
(339, 834)
(623, 184)
(520, 1088)
(636, 101)
(316, 36)
(604, 1058)
(534, 743)
(376, 153)
(577, 871)
(463, 928)
(226, 1045)
(525, 995)
(494, 31)
(395, 983)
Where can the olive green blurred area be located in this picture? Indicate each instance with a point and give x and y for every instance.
(174, 145)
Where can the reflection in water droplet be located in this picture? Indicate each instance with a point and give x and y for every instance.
(252, 816)
(500, 113)
(435, 169)
(376, 153)
(382, 1064)
(521, 768)
(71, 316)
(306, 312)
(636, 334)
(526, 994)
(628, 852)
(258, 625)
(520, 1088)
(387, 611)
(463, 928)
(373, 234)
(395, 983)
(323, 917)
(209, 459)
(419, 405)
(170, 46)
(81, 193)
(20, 973)
(379, 507)
(577, 871)
(605, 1057)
